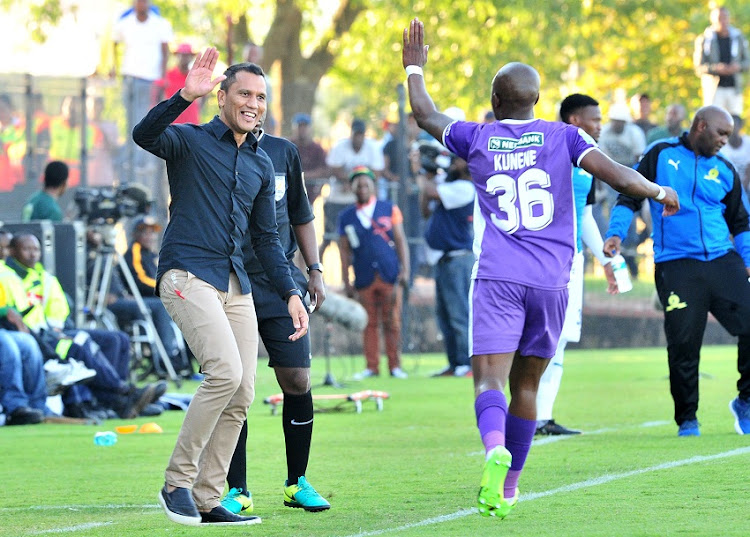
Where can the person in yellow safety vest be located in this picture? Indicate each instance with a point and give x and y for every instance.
(60, 371)
(65, 137)
(106, 352)
(12, 145)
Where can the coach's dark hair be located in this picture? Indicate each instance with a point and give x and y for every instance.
(572, 103)
(232, 70)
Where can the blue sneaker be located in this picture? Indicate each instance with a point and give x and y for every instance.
(741, 411)
(305, 496)
(689, 428)
(238, 501)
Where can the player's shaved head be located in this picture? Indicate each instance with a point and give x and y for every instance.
(515, 90)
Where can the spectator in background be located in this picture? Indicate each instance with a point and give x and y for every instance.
(621, 140)
(106, 147)
(142, 256)
(38, 155)
(23, 390)
(489, 117)
(312, 155)
(641, 105)
(125, 308)
(721, 56)
(175, 81)
(347, 154)
(624, 142)
(446, 198)
(673, 124)
(357, 150)
(65, 137)
(737, 151)
(12, 145)
(372, 242)
(105, 351)
(253, 53)
(391, 149)
(44, 205)
(145, 37)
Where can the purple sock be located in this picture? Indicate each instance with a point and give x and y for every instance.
(491, 409)
(520, 432)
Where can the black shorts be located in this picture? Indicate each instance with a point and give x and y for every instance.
(275, 326)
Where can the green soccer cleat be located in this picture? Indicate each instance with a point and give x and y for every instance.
(490, 499)
(305, 496)
(506, 506)
(238, 501)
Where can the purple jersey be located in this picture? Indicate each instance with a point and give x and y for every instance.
(524, 218)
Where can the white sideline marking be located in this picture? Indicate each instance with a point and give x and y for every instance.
(601, 480)
(81, 507)
(79, 527)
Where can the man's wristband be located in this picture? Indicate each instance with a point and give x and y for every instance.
(289, 294)
(661, 195)
(414, 70)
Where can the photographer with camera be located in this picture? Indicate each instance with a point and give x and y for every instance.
(446, 199)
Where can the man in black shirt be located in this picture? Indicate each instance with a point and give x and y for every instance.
(289, 359)
(222, 187)
(721, 56)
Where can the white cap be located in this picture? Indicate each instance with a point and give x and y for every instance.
(455, 113)
(620, 111)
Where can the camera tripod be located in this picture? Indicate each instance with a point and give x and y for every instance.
(101, 280)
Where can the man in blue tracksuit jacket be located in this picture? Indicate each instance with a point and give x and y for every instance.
(702, 255)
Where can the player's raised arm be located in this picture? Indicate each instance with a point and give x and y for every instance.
(414, 57)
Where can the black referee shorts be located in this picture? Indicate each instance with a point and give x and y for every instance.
(274, 324)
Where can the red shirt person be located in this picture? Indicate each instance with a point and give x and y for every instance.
(175, 81)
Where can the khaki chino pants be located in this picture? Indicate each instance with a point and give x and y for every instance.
(222, 331)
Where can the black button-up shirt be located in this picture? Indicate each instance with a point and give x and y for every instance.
(219, 193)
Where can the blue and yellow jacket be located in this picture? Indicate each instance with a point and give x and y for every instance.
(711, 213)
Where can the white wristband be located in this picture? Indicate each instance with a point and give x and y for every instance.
(414, 70)
(661, 195)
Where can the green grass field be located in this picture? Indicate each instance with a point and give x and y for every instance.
(414, 468)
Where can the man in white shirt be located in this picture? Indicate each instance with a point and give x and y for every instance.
(145, 37)
(354, 151)
(347, 154)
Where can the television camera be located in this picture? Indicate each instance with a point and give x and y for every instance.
(109, 204)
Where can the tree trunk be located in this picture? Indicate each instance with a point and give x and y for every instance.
(301, 76)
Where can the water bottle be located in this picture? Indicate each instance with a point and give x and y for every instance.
(106, 438)
(622, 276)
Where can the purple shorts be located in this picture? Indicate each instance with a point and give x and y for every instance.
(507, 316)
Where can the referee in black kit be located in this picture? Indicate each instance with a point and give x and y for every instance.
(289, 359)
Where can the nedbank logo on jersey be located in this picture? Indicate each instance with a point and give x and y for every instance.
(529, 139)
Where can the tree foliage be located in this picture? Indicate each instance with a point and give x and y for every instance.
(606, 48)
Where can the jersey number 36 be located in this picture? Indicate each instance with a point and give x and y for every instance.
(535, 206)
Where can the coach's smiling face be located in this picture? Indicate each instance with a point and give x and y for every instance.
(243, 103)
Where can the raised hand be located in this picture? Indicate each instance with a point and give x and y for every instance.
(414, 51)
(198, 82)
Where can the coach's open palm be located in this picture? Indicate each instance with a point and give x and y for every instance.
(198, 81)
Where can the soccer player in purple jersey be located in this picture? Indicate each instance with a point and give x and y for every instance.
(524, 241)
